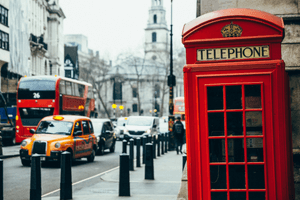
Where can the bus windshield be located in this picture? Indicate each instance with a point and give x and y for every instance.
(32, 116)
(36, 89)
(55, 127)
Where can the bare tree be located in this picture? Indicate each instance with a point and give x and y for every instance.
(134, 76)
(95, 72)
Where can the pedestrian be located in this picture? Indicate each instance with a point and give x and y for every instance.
(178, 131)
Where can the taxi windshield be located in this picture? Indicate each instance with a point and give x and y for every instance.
(55, 127)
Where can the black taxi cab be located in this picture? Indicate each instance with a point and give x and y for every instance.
(59, 133)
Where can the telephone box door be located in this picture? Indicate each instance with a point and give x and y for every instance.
(237, 111)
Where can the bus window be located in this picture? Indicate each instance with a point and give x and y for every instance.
(81, 90)
(178, 103)
(62, 89)
(32, 116)
(36, 89)
(76, 91)
(90, 93)
(68, 88)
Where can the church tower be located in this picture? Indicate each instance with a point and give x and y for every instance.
(156, 33)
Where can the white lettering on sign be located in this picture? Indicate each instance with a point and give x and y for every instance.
(233, 53)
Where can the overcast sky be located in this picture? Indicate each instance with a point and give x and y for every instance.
(116, 26)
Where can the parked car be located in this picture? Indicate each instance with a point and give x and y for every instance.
(105, 134)
(139, 126)
(59, 133)
(121, 123)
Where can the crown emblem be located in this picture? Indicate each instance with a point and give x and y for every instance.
(231, 30)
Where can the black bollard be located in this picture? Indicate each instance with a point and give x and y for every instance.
(149, 167)
(66, 176)
(35, 179)
(131, 154)
(166, 142)
(163, 151)
(183, 161)
(124, 145)
(138, 152)
(158, 144)
(154, 146)
(1, 179)
(148, 138)
(144, 149)
(124, 183)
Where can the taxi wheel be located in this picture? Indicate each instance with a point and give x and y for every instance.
(26, 162)
(91, 157)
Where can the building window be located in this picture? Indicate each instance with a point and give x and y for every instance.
(68, 73)
(154, 19)
(4, 41)
(134, 92)
(154, 37)
(134, 107)
(3, 16)
(50, 69)
(117, 91)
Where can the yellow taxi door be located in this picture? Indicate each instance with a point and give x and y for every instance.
(88, 140)
(79, 143)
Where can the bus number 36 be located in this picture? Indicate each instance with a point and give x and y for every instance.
(36, 95)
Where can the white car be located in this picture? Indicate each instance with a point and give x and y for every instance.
(139, 126)
(120, 126)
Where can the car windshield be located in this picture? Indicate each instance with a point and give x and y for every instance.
(140, 121)
(121, 122)
(55, 127)
(97, 127)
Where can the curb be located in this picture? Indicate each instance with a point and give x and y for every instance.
(9, 156)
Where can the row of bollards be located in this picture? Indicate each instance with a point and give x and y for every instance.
(65, 180)
(152, 147)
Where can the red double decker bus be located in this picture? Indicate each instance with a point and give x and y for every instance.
(179, 110)
(40, 96)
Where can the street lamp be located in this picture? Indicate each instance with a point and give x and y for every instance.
(114, 106)
(121, 108)
(171, 84)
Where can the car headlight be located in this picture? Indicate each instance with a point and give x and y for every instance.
(125, 131)
(24, 143)
(98, 139)
(148, 131)
(57, 145)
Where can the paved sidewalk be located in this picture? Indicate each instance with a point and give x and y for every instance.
(167, 174)
(10, 151)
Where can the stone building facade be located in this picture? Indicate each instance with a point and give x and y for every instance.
(289, 10)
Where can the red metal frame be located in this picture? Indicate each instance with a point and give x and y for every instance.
(70, 103)
(259, 28)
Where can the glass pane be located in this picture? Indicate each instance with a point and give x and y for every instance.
(252, 96)
(237, 177)
(217, 150)
(235, 150)
(254, 123)
(237, 195)
(234, 97)
(256, 176)
(219, 196)
(215, 98)
(216, 124)
(257, 196)
(234, 123)
(218, 177)
(255, 151)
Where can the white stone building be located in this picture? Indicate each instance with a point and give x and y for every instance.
(46, 37)
(4, 33)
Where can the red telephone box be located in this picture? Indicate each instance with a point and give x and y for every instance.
(239, 142)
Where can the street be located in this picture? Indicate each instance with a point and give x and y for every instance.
(17, 178)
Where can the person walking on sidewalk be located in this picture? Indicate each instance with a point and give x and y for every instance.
(178, 131)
